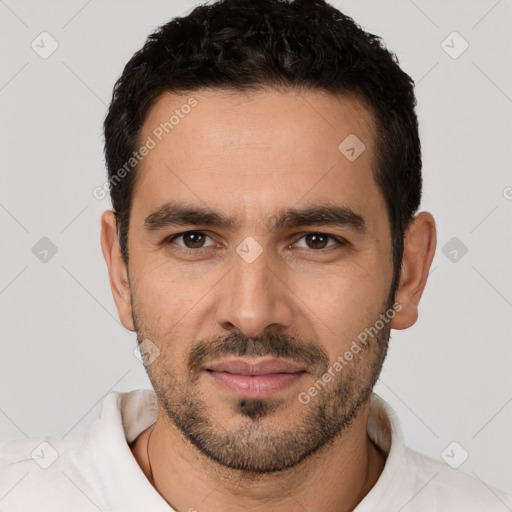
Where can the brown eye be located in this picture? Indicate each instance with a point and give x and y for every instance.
(316, 240)
(191, 239)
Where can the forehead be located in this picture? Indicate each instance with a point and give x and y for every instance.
(249, 152)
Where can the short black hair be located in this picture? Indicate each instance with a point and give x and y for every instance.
(250, 45)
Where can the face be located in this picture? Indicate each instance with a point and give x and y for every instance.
(259, 255)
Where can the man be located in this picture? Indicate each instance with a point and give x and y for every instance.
(265, 175)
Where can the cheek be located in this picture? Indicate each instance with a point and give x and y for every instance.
(342, 291)
(171, 306)
(161, 286)
(156, 301)
(342, 305)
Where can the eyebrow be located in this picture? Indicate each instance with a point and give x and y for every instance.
(176, 213)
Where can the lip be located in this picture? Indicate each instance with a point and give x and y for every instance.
(248, 366)
(255, 378)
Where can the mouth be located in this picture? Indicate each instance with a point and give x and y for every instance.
(255, 378)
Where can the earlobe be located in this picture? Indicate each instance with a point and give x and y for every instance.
(419, 250)
(118, 273)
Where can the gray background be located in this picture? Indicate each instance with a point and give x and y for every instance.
(63, 347)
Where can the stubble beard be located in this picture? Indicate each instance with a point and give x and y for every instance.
(257, 444)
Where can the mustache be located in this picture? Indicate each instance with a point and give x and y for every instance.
(278, 345)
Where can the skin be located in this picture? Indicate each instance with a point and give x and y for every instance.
(249, 156)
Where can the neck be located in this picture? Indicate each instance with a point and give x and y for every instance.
(336, 478)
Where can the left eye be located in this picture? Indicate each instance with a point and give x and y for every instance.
(318, 240)
(192, 239)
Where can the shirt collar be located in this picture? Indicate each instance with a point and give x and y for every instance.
(385, 431)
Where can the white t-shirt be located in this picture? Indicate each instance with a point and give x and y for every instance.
(96, 470)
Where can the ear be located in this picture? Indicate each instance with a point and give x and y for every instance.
(419, 248)
(118, 273)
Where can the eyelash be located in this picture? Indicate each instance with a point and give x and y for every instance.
(188, 250)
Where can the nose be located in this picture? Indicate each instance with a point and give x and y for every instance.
(254, 297)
